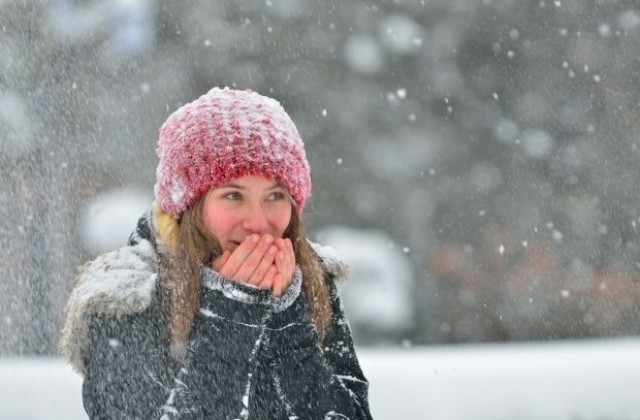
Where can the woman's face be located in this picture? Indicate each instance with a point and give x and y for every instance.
(245, 206)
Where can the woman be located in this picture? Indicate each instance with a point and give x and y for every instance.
(219, 307)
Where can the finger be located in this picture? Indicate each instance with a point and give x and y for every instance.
(277, 285)
(253, 259)
(265, 264)
(292, 257)
(289, 261)
(267, 280)
(284, 249)
(281, 263)
(237, 257)
(285, 273)
(219, 262)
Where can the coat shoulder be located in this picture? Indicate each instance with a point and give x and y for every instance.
(114, 285)
(334, 267)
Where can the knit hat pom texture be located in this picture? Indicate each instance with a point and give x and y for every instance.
(223, 135)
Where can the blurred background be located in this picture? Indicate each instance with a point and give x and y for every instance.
(476, 161)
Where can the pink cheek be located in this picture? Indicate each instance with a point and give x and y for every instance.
(226, 225)
(221, 226)
(282, 223)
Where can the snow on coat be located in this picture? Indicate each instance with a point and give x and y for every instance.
(249, 355)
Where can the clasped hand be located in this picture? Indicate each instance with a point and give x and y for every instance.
(260, 260)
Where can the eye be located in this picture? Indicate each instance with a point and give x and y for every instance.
(233, 196)
(277, 196)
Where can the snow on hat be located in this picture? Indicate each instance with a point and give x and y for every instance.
(223, 135)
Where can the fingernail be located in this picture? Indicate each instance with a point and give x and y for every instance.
(254, 238)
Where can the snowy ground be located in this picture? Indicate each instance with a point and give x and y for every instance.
(592, 380)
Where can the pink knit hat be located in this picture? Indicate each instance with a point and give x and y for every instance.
(223, 135)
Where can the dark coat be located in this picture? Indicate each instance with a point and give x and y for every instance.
(249, 355)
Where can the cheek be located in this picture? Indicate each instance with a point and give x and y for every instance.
(219, 223)
(281, 221)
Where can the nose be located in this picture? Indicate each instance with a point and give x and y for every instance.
(255, 220)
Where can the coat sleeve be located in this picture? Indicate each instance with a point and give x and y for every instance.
(313, 381)
(126, 372)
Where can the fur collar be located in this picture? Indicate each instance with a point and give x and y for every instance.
(331, 262)
(115, 284)
(123, 282)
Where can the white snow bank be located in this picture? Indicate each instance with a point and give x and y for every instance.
(587, 380)
(38, 389)
(590, 380)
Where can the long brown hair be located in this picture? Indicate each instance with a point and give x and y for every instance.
(187, 248)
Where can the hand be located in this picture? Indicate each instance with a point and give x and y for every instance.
(260, 261)
(252, 262)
